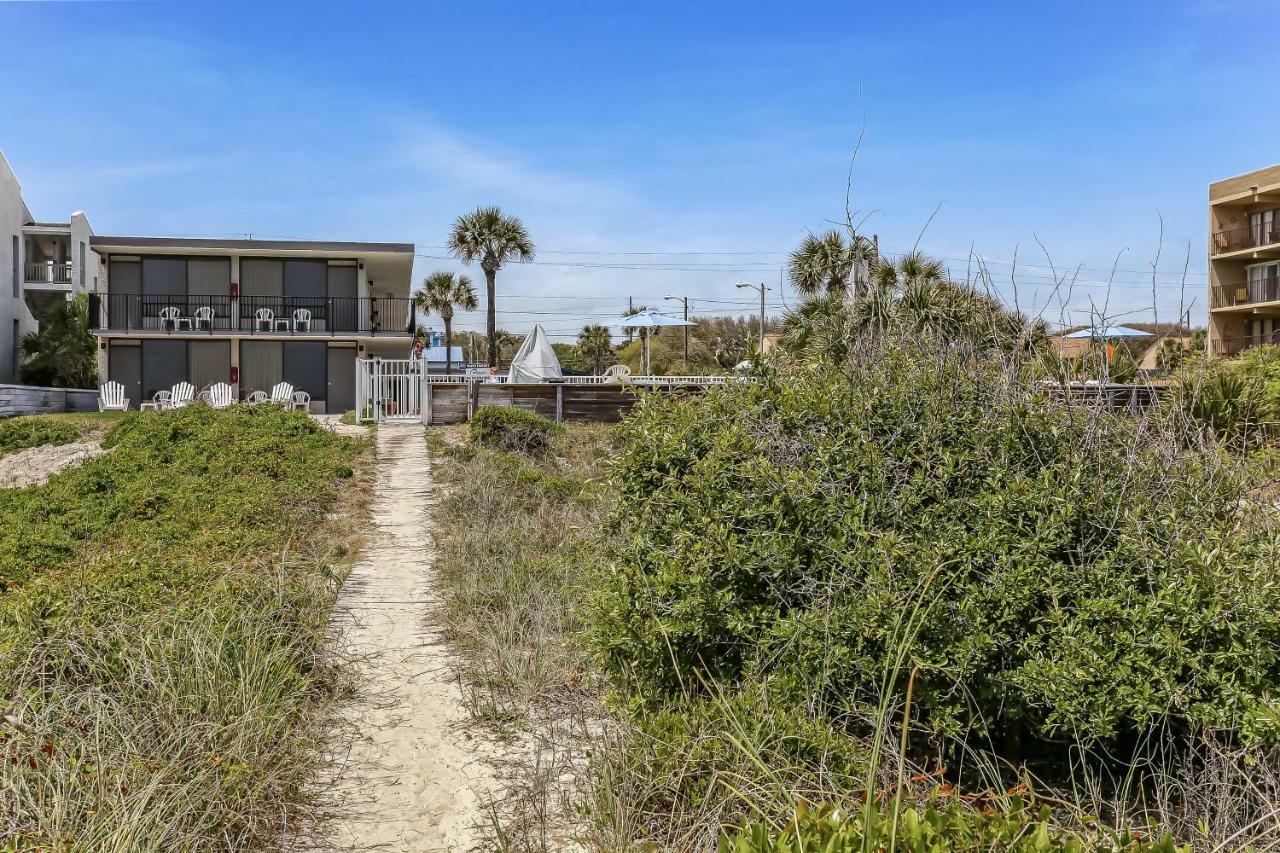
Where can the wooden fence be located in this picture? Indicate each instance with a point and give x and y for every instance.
(456, 402)
(35, 400)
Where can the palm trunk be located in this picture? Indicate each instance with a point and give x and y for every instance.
(448, 345)
(491, 321)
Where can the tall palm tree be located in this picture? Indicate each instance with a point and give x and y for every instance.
(595, 344)
(441, 293)
(490, 236)
(827, 263)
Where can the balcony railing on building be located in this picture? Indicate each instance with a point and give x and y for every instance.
(48, 272)
(1265, 289)
(1249, 237)
(251, 315)
(1236, 344)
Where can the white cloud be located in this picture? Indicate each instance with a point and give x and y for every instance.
(469, 164)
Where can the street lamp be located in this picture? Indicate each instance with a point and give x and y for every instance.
(685, 300)
(760, 287)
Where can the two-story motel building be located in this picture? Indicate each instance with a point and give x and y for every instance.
(251, 313)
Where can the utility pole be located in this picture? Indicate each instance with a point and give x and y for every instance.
(760, 287)
(685, 300)
(631, 309)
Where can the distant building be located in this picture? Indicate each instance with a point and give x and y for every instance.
(250, 313)
(1244, 261)
(41, 264)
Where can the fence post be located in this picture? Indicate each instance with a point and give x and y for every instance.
(559, 404)
(426, 400)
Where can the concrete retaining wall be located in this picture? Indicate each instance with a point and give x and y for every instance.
(31, 400)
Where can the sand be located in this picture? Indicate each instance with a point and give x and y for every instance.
(35, 465)
(415, 780)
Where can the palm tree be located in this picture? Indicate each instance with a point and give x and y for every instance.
(492, 237)
(62, 353)
(594, 344)
(827, 263)
(441, 293)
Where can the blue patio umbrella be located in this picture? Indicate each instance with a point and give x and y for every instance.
(1106, 333)
(650, 320)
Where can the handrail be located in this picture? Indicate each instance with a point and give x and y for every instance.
(1246, 237)
(1265, 289)
(47, 272)
(501, 379)
(1234, 344)
(244, 315)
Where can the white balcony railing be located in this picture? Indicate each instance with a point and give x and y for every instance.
(47, 272)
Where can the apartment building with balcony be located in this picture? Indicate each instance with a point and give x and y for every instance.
(1244, 262)
(249, 312)
(41, 264)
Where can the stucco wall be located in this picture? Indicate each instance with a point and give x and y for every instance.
(12, 215)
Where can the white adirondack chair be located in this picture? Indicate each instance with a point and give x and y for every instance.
(264, 318)
(302, 401)
(282, 394)
(301, 319)
(203, 318)
(111, 398)
(182, 395)
(220, 395)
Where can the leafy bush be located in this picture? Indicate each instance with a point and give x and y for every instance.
(948, 826)
(21, 433)
(1052, 570)
(513, 429)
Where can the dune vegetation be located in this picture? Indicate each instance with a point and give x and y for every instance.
(164, 675)
(889, 594)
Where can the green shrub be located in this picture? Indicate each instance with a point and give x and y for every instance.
(948, 826)
(513, 429)
(21, 433)
(1053, 571)
(1236, 402)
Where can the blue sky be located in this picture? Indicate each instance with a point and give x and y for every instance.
(718, 130)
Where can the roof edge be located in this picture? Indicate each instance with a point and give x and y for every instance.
(276, 245)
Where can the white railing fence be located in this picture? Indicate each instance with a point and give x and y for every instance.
(388, 389)
(47, 272)
(501, 378)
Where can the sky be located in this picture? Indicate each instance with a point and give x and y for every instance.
(659, 149)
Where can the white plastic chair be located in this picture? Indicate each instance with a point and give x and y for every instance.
(220, 395)
(282, 394)
(182, 395)
(111, 398)
(171, 319)
(617, 373)
(301, 319)
(256, 397)
(203, 318)
(301, 400)
(264, 318)
(159, 401)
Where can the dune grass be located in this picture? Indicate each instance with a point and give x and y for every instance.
(165, 678)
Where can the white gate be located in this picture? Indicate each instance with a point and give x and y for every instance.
(388, 389)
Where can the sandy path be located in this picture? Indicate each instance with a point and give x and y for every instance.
(35, 465)
(414, 780)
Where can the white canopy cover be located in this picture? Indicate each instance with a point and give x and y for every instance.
(535, 361)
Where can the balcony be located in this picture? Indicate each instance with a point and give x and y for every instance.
(305, 316)
(47, 273)
(1249, 237)
(1237, 344)
(1252, 292)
